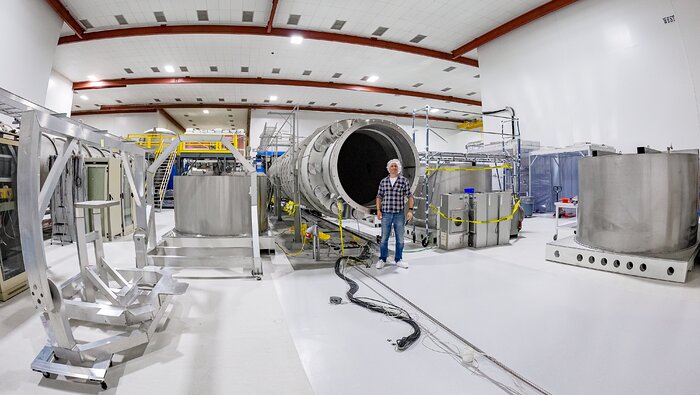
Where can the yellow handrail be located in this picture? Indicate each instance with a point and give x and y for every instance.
(157, 142)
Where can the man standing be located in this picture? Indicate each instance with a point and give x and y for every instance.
(390, 210)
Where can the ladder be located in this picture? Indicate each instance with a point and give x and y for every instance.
(161, 179)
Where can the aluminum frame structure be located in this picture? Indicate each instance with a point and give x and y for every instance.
(426, 233)
(247, 167)
(141, 301)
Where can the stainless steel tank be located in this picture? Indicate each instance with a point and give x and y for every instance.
(218, 205)
(640, 204)
(448, 180)
(345, 160)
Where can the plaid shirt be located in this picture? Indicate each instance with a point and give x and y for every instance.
(393, 196)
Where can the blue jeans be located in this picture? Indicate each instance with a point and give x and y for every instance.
(389, 220)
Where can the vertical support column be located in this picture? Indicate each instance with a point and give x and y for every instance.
(83, 261)
(257, 262)
(99, 246)
(295, 174)
(141, 219)
(46, 297)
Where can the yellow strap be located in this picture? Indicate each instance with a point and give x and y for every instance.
(340, 228)
(303, 243)
(493, 221)
(290, 208)
(428, 170)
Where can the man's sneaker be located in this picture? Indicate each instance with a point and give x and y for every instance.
(380, 264)
(402, 264)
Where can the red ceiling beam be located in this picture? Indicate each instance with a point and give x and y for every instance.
(63, 12)
(511, 25)
(272, 16)
(121, 109)
(121, 83)
(262, 31)
(171, 119)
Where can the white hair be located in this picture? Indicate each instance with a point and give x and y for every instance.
(398, 163)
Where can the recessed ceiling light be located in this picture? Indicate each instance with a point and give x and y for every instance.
(92, 78)
(418, 38)
(296, 39)
(372, 78)
(121, 20)
(86, 23)
(434, 110)
(380, 30)
(273, 98)
(205, 111)
(338, 24)
(160, 16)
(84, 97)
(169, 69)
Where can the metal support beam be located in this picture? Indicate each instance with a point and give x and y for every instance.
(63, 12)
(511, 25)
(372, 42)
(121, 83)
(271, 19)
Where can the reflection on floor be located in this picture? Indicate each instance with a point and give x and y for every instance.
(569, 330)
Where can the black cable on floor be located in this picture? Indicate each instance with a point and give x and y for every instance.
(377, 306)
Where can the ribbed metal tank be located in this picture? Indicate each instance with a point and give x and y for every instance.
(639, 204)
(345, 160)
(218, 205)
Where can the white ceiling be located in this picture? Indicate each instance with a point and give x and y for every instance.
(447, 24)
(255, 94)
(260, 54)
(216, 118)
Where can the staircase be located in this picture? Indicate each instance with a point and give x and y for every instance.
(161, 179)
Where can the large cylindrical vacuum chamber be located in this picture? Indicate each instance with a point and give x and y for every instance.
(639, 204)
(218, 205)
(345, 160)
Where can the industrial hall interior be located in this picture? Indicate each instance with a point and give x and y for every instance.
(343, 197)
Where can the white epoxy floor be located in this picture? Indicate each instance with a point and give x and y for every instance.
(570, 330)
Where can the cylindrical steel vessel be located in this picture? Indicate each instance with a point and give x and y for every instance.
(641, 203)
(345, 160)
(218, 205)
